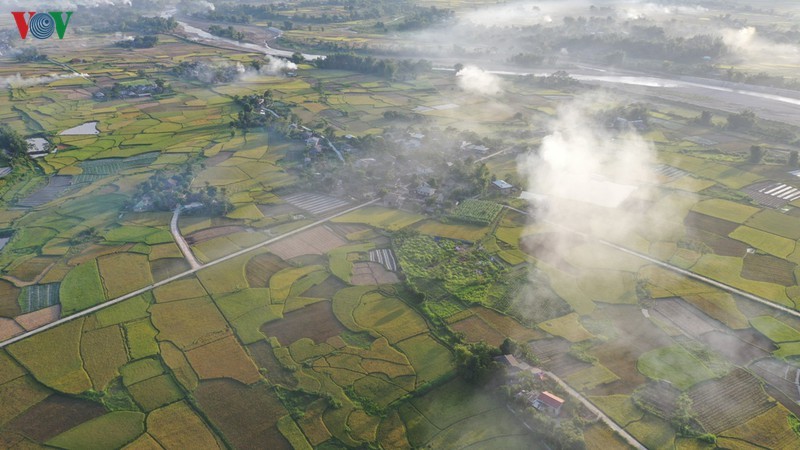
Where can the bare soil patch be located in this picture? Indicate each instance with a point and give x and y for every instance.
(9, 328)
(211, 233)
(55, 415)
(768, 268)
(38, 318)
(296, 324)
(246, 415)
(475, 330)
(9, 306)
(168, 267)
(720, 245)
(738, 347)
(553, 354)
(728, 401)
(261, 267)
(326, 289)
(371, 273)
(708, 223)
(685, 317)
(262, 354)
(316, 241)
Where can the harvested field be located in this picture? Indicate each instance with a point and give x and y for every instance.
(476, 330)
(315, 203)
(768, 268)
(728, 401)
(168, 267)
(721, 245)
(778, 375)
(738, 347)
(294, 325)
(262, 354)
(38, 318)
(554, 355)
(279, 210)
(660, 397)
(315, 241)
(55, 415)
(326, 289)
(9, 306)
(371, 273)
(507, 325)
(711, 224)
(211, 233)
(246, 415)
(261, 267)
(9, 328)
(685, 317)
(223, 358)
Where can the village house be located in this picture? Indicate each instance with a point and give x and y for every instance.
(424, 190)
(549, 403)
(502, 186)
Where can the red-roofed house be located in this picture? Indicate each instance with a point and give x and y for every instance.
(549, 403)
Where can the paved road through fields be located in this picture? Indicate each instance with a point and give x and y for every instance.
(104, 305)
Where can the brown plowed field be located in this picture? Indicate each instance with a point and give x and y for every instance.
(296, 324)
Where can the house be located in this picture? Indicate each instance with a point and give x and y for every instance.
(502, 186)
(425, 191)
(511, 363)
(549, 403)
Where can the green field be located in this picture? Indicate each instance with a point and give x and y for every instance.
(674, 364)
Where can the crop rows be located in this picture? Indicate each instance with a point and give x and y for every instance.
(477, 211)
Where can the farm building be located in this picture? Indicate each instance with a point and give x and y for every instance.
(549, 403)
(502, 186)
(425, 191)
(511, 363)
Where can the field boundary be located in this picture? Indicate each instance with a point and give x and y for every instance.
(130, 295)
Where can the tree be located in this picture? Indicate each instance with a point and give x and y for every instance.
(475, 361)
(704, 118)
(756, 154)
(458, 67)
(743, 121)
(793, 158)
(11, 142)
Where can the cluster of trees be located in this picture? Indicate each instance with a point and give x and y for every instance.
(229, 32)
(115, 22)
(424, 17)
(387, 68)
(556, 80)
(30, 54)
(741, 121)
(148, 41)
(249, 116)
(12, 144)
(284, 12)
(164, 192)
(207, 73)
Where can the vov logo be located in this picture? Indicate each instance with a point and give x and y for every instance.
(42, 25)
